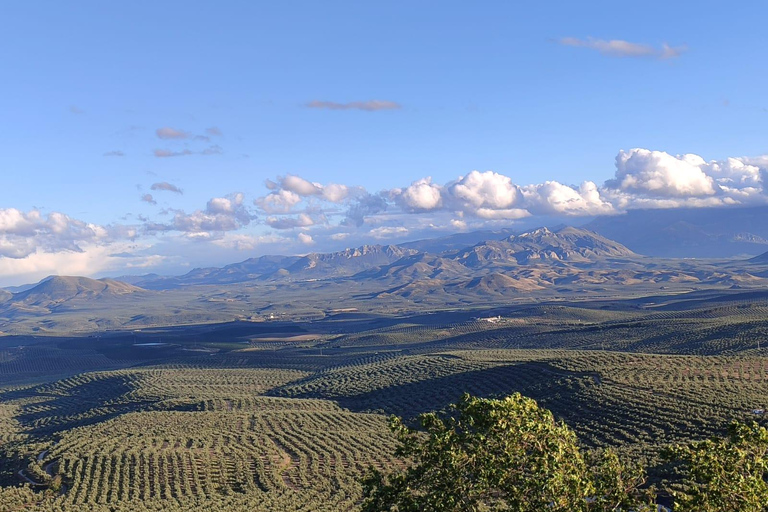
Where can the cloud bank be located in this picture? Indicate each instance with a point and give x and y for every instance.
(643, 178)
(294, 213)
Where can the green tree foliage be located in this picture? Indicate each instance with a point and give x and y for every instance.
(723, 475)
(506, 454)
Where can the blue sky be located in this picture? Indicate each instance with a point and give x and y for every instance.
(362, 99)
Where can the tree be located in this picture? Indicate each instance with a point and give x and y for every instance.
(501, 454)
(724, 474)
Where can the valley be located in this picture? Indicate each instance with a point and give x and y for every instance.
(267, 384)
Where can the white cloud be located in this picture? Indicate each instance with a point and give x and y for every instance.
(221, 214)
(335, 193)
(299, 185)
(660, 174)
(421, 195)
(388, 231)
(459, 224)
(90, 259)
(489, 190)
(23, 233)
(552, 197)
(305, 239)
(620, 48)
(290, 190)
(506, 214)
(301, 221)
(280, 201)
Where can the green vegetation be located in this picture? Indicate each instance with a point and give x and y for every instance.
(283, 416)
(504, 454)
(724, 475)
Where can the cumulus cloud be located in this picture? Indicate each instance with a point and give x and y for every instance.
(147, 198)
(488, 190)
(368, 106)
(620, 48)
(656, 179)
(221, 214)
(553, 198)
(168, 133)
(305, 239)
(290, 190)
(659, 173)
(280, 201)
(213, 131)
(421, 195)
(365, 206)
(168, 187)
(299, 185)
(24, 233)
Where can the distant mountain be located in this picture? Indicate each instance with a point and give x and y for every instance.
(689, 232)
(416, 266)
(760, 258)
(25, 287)
(539, 264)
(137, 280)
(248, 270)
(60, 289)
(542, 245)
(343, 263)
(456, 241)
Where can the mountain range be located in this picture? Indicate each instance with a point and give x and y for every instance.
(541, 264)
(689, 232)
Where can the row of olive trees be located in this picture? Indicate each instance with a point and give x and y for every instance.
(510, 454)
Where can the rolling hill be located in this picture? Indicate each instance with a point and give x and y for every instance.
(65, 288)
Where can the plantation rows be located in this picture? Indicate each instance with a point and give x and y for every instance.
(181, 455)
(293, 427)
(33, 360)
(357, 379)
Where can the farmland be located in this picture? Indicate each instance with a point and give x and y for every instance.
(289, 415)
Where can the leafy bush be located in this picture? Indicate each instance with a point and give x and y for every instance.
(501, 454)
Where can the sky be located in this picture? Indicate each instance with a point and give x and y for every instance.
(146, 136)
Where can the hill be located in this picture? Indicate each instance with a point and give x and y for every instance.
(61, 289)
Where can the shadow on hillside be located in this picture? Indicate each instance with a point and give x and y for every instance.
(554, 389)
(91, 402)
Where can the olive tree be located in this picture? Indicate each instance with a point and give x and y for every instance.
(722, 475)
(501, 454)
